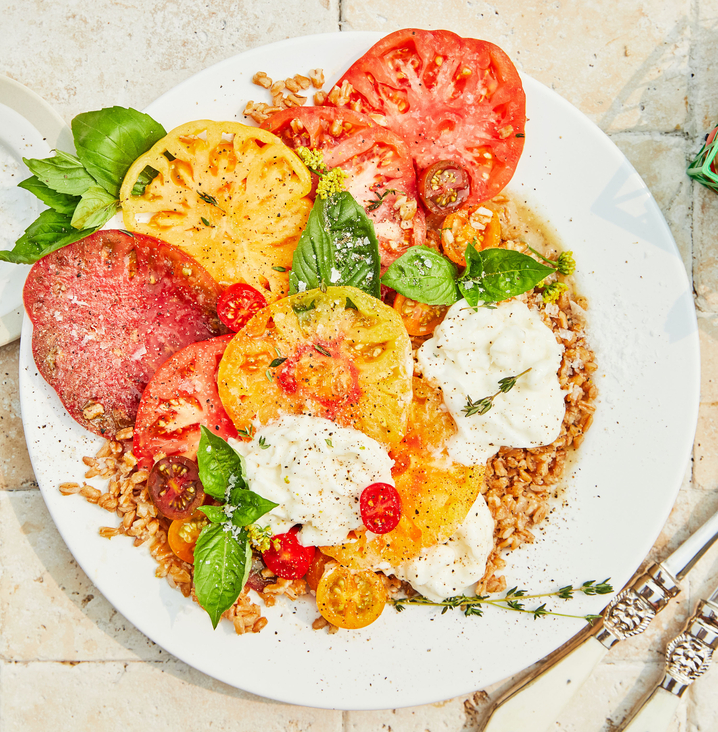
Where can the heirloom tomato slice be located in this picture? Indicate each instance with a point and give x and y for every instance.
(350, 598)
(181, 396)
(450, 98)
(378, 164)
(233, 197)
(436, 494)
(340, 354)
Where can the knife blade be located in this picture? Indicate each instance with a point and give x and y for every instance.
(536, 702)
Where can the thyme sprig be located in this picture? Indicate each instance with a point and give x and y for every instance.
(513, 600)
(373, 205)
(211, 200)
(481, 406)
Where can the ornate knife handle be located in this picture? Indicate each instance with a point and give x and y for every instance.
(632, 609)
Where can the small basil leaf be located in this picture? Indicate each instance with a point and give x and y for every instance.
(50, 231)
(248, 507)
(493, 275)
(62, 172)
(143, 180)
(221, 469)
(61, 202)
(337, 247)
(215, 514)
(95, 208)
(424, 275)
(109, 140)
(221, 567)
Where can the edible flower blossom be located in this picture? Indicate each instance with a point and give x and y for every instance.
(330, 181)
(552, 292)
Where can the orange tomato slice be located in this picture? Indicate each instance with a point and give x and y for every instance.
(467, 225)
(419, 318)
(350, 598)
(183, 534)
(231, 196)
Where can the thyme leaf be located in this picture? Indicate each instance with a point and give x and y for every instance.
(481, 406)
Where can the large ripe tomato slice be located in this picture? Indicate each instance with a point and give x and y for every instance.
(181, 396)
(449, 98)
(233, 197)
(380, 170)
(107, 311)
(339, 354)
(350, 598)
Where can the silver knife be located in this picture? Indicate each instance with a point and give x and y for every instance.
(537, 702)
(688, 657)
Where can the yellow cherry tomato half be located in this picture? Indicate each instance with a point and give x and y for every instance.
(350, 598)
(419, 319)
(183, 534)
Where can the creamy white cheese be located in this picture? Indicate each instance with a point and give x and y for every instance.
(452, 568)
(316, 471)
(470, 351)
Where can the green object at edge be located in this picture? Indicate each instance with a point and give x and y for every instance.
(700, 169)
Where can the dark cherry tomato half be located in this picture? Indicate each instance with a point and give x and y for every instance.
(237, 304)
(444, 186)
(286, 557)
(380, 506)
(174, 487)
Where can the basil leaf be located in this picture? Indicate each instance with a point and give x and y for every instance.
(61, 202)
(62, 172)
(143, 180)
(221, 567)
(337, 247)
(215, 514)
(50, 231)
(248, 506)
(95, 208)
(493, 275)
(424, 275)
(109, 140)
(221, 469)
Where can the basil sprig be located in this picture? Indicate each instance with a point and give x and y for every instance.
(337, 247)
(223, 553)
(82, 191)
(491, 275)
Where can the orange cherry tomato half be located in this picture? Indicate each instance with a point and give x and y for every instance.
(286, 557)
(316, 569)
(350, 598)
(460, 229)
(237, 304)
(174, 487)
(183, 534)
(419, 318)
(444, 186)
(380, 507)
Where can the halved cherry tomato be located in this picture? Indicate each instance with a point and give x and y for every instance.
(181, 396)
(444, 186)
(378, 164)
(183, 534)
(174, 487)
(238, 303)
(317, 569)
(419, 318)
(380, 507)
(449, 98)
(350, 598)
(475, 225)
(286, 557)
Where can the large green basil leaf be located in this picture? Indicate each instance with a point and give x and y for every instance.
(61, 202)
(50, 231)
(95, 208)
(493, 275)
(222, 560)
(424, 275)
(337, 247)
(109, 140)
(221, 469)
(62, 172)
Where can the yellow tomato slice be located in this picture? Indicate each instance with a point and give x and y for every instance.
(233, 197)
(350, 598)
(339, 354)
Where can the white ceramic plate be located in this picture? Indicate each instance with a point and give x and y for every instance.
(29, 128)
(623, 486)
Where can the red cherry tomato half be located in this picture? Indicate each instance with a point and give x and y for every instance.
(237, 304)
(286, 557)
(175, 488)
(444, 186)
(380, 506)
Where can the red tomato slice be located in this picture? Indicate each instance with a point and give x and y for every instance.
(181, 396)
(175, 488)
(380, 507)
(448, 98)
(380, 170)
(238, 303)
(286, 557)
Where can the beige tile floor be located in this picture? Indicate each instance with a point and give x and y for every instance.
(643, 70)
